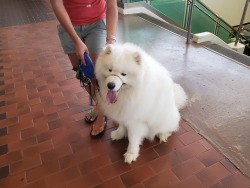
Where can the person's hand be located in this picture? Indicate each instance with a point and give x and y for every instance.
(80, 49)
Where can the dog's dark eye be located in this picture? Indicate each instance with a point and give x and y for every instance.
(123, 74)
(110, 70)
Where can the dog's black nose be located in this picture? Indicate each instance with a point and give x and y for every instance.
(111, 85)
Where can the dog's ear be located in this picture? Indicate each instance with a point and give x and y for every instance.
(137, 57)
(108, 49)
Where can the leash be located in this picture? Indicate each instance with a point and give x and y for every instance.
(86, 73)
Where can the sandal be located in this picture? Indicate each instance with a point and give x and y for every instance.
(91, 116)
(100, 134)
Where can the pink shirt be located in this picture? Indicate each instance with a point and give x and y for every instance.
(81, 14)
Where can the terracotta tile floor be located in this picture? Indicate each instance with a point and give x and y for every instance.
(44, 141)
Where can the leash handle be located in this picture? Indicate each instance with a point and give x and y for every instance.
(88, 69)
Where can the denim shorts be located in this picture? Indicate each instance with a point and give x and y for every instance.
(93, 35)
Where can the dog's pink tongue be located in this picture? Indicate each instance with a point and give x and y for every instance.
(111, 96)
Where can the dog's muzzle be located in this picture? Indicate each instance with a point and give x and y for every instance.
(114, 84)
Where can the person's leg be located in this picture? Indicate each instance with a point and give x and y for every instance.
(74, 60)
(95, 39)
(69, 49)
(100, 123)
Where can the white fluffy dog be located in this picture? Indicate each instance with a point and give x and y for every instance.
(139, 94)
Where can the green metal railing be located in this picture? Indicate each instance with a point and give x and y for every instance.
(221, 28)
(203, 19)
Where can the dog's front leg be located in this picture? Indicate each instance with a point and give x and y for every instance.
(119, 133)
(135, 137)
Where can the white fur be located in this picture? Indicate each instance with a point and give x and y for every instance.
(148, 101)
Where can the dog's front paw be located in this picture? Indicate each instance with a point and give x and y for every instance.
(116, 135)
(163, 136)
(130, 157)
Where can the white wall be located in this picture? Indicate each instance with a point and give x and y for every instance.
(229, 10)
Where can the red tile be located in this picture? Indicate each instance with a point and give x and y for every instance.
(10, 138)
(229, 166)
(61, 186)
(189, 137)
(191, 182)
(145, 157)
(190, 151)
(76, 158)
(59, 99)
(166, 162)
(45, 136)
(30, 132)
(20, 126)
(53, 117)
(38, 116)
(23, 144)
(25, 164)
(236, 180)
(38, 148)
(115, 182)
(48, 135)
(116, 155)
(206, 144)
(37, 108)
(186, 125)
(113, 170)
(13, 180)
(164, 179)
(172, 144)
(37, 184)
(62, 177)
(94, 164)
(188, 168)
(10, 158)
(180, 131)
(139, 185)
(8, 108)
(116, 149)
(210, 157)
(56, 124)
(68, 135)
(34, 101)
(137, 175)
(93, 144)
(149, 144)
(25, 121)
(23, 110)
(65, 113)
(78, 116)
(42, 171)
(218, 185)
(56, 153)
(53, 109)
(212, 174)
(89, 180)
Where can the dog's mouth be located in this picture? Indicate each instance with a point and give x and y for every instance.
(112, 96)
(114, 85)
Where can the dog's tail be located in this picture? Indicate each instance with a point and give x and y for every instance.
(180, 96)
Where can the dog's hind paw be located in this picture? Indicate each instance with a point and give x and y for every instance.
(116, 135)
(130, 157)
(163, 136)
